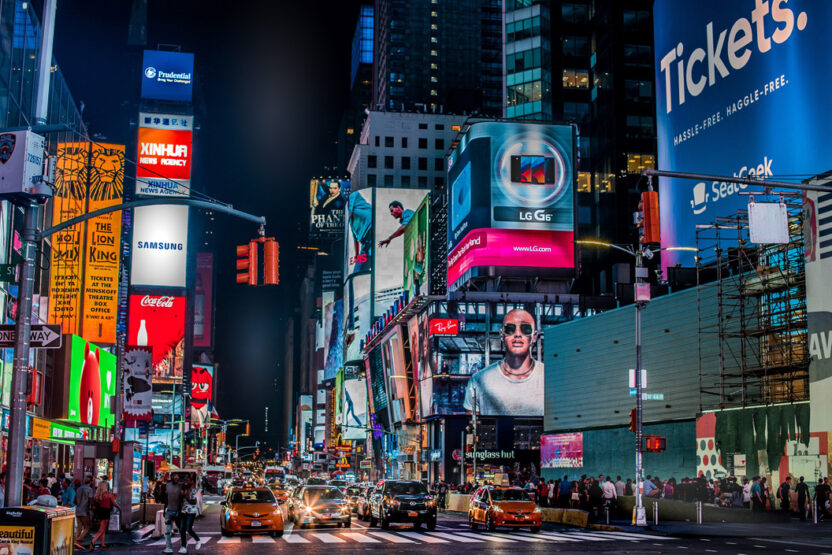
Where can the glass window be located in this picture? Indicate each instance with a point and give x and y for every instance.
(575, 111)
(438, 182)
(423, 126)
(423, 181)
(637, 162)
(439, 144)
(378, 140)
(388, 180)
(434, 92)
(634, 19)
(574, 13)
(584, 182)
(389, 142)
(575, 79)
(372, 161)
(405, 179)
(637, 55)
(575, 46)
(388, 162)
(371, 179)
(439, 126)
(423, 164)
(404, 142)
(605, 183)
(640, 127)
(638, 91)
(438, 164)
(405, 162)
(423, 142)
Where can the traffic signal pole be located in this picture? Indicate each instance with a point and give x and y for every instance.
(641, 516)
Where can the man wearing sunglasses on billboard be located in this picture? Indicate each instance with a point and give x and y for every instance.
(514, 385)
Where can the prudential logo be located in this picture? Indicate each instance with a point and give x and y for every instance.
(150, 72)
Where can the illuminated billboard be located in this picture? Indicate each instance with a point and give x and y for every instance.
(159, 321)
(420, 354)
(354, 409)
(203, 299)
(511, 199)
(164, 154)
(356, 306)
(562, 450)
(741, 89)
(416, 252)
(396, 375)
(394, 210)
(333, 328)
(202, 394)
(167, 75)
(328, 203)
(358, 244)
(160, 245)
(92, 383)
(138, 383)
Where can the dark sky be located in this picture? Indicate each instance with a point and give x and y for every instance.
(271, 81)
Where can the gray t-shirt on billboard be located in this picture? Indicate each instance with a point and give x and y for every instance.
(499, 395)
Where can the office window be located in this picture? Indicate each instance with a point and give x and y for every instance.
(388, 162)
(438, 164)
(405, 162)
(575, 46)
(371, 180)
(637, 55)
(638, 91)
(404, 142)
(434, 40)
(423, 164)
(584, 182)
(434, 53)
(433, 79)
(378, 140)
(523, 29)
(434, 92)
(423, 181)
(439, 126)
(372, 161)
(423, 126)
(637, 162)
(640, 127)
(423, 142)
(405, 179)
(439, 144)
(388, 180)
(575, 79)
(574, 13)
(635, 19)
(575, 111)
(434, 27)
(388, 142)
(605, 183)
(434, 66)
(439, 182)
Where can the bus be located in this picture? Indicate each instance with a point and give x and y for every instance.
(277, 473)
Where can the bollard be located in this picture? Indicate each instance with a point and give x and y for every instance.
(698, 512)
(656, 513)
(815, 512)
(607, 513)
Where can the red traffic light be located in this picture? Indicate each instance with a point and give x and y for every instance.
(271, 259)
(247, 263)
(655, 444)
(634, 420)
(258, 262)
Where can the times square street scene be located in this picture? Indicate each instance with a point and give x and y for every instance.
(415, 276)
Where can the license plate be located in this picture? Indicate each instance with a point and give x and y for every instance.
(256, 523)
(412, 513)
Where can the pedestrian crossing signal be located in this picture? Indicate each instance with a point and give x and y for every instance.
(655, 444)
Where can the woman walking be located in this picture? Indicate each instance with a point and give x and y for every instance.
(187, 515)
(103, 503)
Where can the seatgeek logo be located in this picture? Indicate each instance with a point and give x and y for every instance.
(734, 46)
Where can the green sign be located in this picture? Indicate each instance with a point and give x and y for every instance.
(92, 384)
(652, 396)
(416, 252)
(8, 273)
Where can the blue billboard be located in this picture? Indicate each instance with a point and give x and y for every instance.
(167, 75)
(741, 89)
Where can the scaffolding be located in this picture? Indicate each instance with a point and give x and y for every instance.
(759, 319)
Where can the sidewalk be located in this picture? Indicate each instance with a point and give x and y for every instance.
(805, 529)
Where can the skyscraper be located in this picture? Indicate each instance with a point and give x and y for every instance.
(361, 89)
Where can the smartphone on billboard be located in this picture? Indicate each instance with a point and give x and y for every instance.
(533, 170)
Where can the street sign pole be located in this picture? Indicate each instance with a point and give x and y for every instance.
(641, 515)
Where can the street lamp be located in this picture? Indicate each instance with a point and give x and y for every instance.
(642, 297)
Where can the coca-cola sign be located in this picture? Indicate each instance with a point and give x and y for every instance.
(444, 326)
(159, 302)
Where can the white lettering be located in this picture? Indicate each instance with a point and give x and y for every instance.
(157, 302)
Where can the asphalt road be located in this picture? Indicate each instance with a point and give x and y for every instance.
(452, 533)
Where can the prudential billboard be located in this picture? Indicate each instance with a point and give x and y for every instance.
(167, 75)
(741, 89)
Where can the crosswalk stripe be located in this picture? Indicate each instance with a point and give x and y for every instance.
(423, 537)
(630, 536)
(461, 539)
(232, 539)
(262, 539)
(292, 538)
(360, 538)
(551, 537)
(392, 537)
(517, 537)
(329, 538)
(586, 537)
(486, 537)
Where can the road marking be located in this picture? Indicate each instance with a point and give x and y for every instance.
(582, 536)
(791, 542)
(635, 535)
(557, 536)
(262, 539)
(486, 537)
(360, 538)
(329, 538)
(425, 538)
(291, 538)
(233, 539)
(446, 536)
(392, 537)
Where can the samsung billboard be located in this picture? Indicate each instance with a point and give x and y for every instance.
(167, 75)
(740, 90)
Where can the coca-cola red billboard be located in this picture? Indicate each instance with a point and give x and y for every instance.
(159, 322)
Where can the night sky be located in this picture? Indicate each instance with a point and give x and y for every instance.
(271, 81)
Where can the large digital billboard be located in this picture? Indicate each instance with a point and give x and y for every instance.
(327, 202)
(138, 383)
(160, 246)
(416, 252)
(358, 244)
(511, 198)
(203, 299)
(159, 321)
(741, 90)
(562, 450)
(394, 209)
(421, 362)
(202, 394)
(356, 306)
(92, 383)
(167, 75)
(164, 167)
(332, 313)
(354, 409)
(396, 375)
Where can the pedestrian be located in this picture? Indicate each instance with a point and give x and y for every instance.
(628, 487)
(757, 500)
(596, 496)
(187, 516)
(609, 495)
(783, 493)
(746, 493)
(103, 503)
(821, 498)
(802, 491)
(173, 505)
(619, 486)
(542, 491)
(550, 494)
(68, 493)
(564, 492)
(2, 489)
(83, 496)
(669, 488)
(649, 486)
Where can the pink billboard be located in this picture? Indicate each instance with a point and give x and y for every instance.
(562, 450)
(511, 247)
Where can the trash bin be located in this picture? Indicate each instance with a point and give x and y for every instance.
(37, 530)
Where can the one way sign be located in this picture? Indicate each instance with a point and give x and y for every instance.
(42, 336)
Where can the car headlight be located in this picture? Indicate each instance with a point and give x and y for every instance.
(344, 508)
(497, 509)
(307, 510)
(394, 504)
(430, 503)
(536, 510)
(232, 513)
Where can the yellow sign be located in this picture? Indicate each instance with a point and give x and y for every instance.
(41, 429)
(17, 540)
(103, 247)
(63, 536)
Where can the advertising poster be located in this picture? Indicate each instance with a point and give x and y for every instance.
(354, 410)
(18, 540)
(158, 321)
(334, 336)
(512, 386)
(138, 382)
(416, 251)
(203, 299)
(160, 246)
(62, 536)
(422, 372)
(562, 450)
(92, 384)
(103, 246)
(394, 209)
(67, 246)
(164, 155)
(358, 246)
(327, 202)
(377, 386)
(167, 75)
(723, 70)
(395, 372)
(356, 315)
(202, 394)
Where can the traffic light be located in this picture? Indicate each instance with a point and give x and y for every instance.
(634, 420)
(655, 444)
(258, 262)
(271, 258)
(648, 218)
(248, 429)
(247, 263)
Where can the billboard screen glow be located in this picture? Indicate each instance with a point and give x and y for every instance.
(562, 450)
(354, 409)
(167, 75)
(160, 243)
(164, 153)
(159, 321)
(92, 383)
(328, 202)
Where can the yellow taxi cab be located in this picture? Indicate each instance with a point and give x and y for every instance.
(279, 490)
(251, 510)
(493, 506)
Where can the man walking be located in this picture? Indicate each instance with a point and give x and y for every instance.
(619, 486)
(783, 493)
(564, 492)
(83, 496)
(173, 505)
(758, 502)
(802, 496)
(609, 495)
